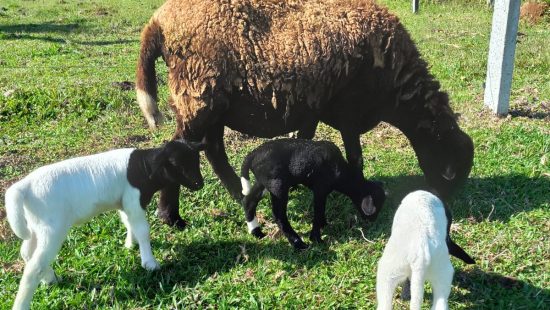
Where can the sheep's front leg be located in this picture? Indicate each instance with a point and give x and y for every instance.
(352, 144)
(139, 227)
(250, 202)
(216, 155)
(279, 201)
(168, 207)
(319, 218)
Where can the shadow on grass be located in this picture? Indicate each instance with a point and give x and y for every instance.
(198, 261)
(43, 31)
(487, 290)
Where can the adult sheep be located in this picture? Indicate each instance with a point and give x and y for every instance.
(267, 67)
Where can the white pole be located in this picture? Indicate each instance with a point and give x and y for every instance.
(502, 47)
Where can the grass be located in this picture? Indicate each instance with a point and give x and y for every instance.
(64, 63)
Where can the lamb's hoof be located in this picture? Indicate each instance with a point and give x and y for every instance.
(50, 279)
(150, 265)
(299, 245)
(258, 233)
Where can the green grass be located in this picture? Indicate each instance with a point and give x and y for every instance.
(61, 61)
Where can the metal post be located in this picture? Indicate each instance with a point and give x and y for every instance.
(502, 47)
(415, 5)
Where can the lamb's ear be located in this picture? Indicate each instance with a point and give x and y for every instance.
(449, 173)
(158, 162)
(367, 206)
(197, 146)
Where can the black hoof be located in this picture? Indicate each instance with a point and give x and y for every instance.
(258, 233)
(178, 222)
(299, 245)
(315, 238)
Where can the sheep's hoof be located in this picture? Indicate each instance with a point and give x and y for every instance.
(299, 245)
(150, 265)
(50, 278)
(315, 237)
(258, 233)
(178, 223)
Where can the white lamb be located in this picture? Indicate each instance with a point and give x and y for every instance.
(416, 250)
(42, 207)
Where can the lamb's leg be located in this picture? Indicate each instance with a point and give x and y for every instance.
(250, 203)
(319, 218)
(386, 283)
(137, 220)
(38, 267)
(279, 201)
(27, 250)
(417, 289)
(352, 144)
(168, 207)
(216, 155)
(441, 281)
(130, 239)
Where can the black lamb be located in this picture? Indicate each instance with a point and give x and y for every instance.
(281, 164)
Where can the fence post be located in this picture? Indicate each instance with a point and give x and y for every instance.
(415, 5)
(500, 63)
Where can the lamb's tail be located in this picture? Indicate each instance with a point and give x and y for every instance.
(245, 174)
(456, 251)
(146, 78)
(15, 198)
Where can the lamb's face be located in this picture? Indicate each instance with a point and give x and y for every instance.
(371, 200)
(183, 163)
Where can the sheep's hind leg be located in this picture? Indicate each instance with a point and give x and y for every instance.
(217, 156)
(441, 282)
(279, 202)
(27, 250)
(319, 218)
(250, 203)
(38, 267)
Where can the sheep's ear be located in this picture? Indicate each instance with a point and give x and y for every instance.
(367, 206)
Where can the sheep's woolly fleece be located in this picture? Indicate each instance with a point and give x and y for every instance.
(278, 50)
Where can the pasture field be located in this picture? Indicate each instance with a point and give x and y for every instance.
(64, 92)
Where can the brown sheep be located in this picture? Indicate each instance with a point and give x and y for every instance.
(269, 67)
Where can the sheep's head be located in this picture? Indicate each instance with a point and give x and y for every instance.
(370, 199)
(178, 162)
(445, 153)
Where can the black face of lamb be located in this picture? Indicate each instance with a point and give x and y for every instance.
(174, 164)
(368, 198)
(179, 162)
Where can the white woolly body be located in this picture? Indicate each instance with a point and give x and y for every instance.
(42, 207)
(416, 250)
